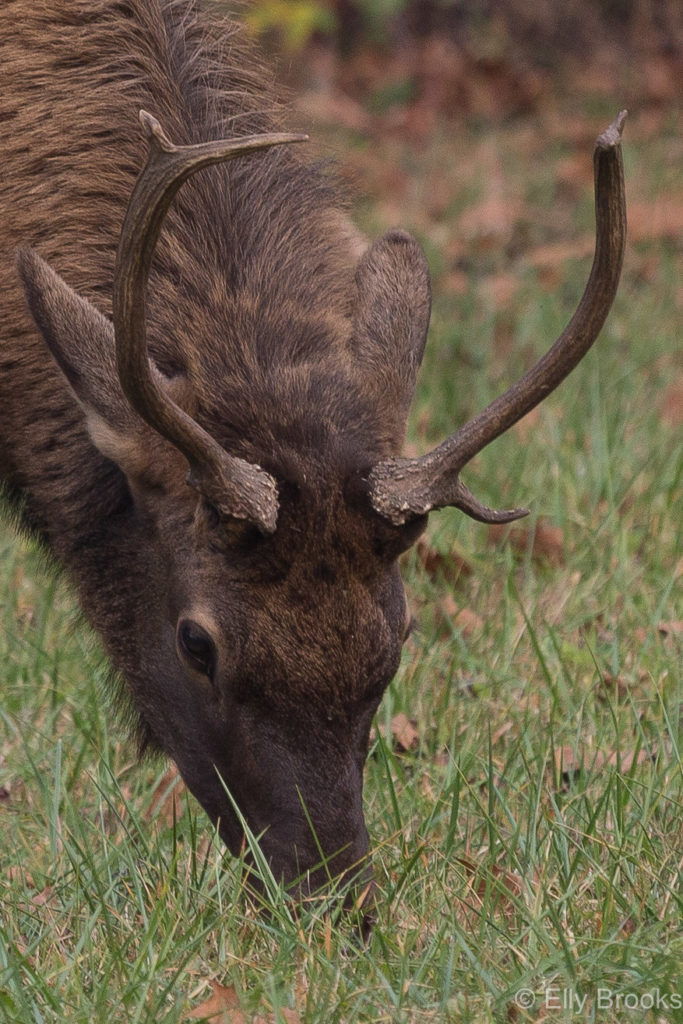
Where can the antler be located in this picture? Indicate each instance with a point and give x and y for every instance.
(236, 488)
(402, 489)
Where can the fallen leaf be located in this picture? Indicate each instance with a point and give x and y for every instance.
(335, 107)
(500, 732)
(568, 763)
(44, 898)
(617, 683)
(671, 628)
(222, 1006)
(465, 619)
(449, 566)
(542, 541)
(468, 621)
(508, 884)
(404, 733)
(18, 873)
(624, 759)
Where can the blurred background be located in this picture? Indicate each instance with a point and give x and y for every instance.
(408, 62)
(472, 123)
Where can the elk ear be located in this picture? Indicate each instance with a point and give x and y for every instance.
(81, 340)
(392, 317)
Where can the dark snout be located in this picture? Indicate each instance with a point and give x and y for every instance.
(305, 812)
(307, 846)
(309, 865)
(292, 804)
(342, 877)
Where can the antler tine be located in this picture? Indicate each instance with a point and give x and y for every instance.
(236, 488)
(401, 489)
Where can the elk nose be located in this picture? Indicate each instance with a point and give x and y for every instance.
(306, 871)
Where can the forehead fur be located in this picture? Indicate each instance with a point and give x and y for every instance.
(312, 615)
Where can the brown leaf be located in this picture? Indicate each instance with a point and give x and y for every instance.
(674, 627)
(624, 759)
(465, 619)
(222, 1007)
(449, 566)
(468, 621)
(510, 883)
(18, 873)
(568, 763)
(44, 898)
(501, 731)
(404, 733)
(617, 683)
(545, 542)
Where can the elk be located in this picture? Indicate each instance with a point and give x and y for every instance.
(205, 375)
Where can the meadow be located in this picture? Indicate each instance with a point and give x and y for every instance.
(524, 789)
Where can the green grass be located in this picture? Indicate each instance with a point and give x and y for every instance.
(532, 843)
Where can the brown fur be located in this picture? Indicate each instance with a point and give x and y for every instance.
(268, 329)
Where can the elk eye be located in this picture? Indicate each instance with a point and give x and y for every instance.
(197, 647)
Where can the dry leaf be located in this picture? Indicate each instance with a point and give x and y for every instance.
(543, 541)
(674, 627)
(624, 759)
(617, 683)
(569, 763)
(222, 1007)
(509, 884)
(18, 873)
(404, 733)
(335, 107)
(466, 620)
(449, 566)
(500, 732)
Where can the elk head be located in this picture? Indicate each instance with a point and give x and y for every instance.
(273, 613)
